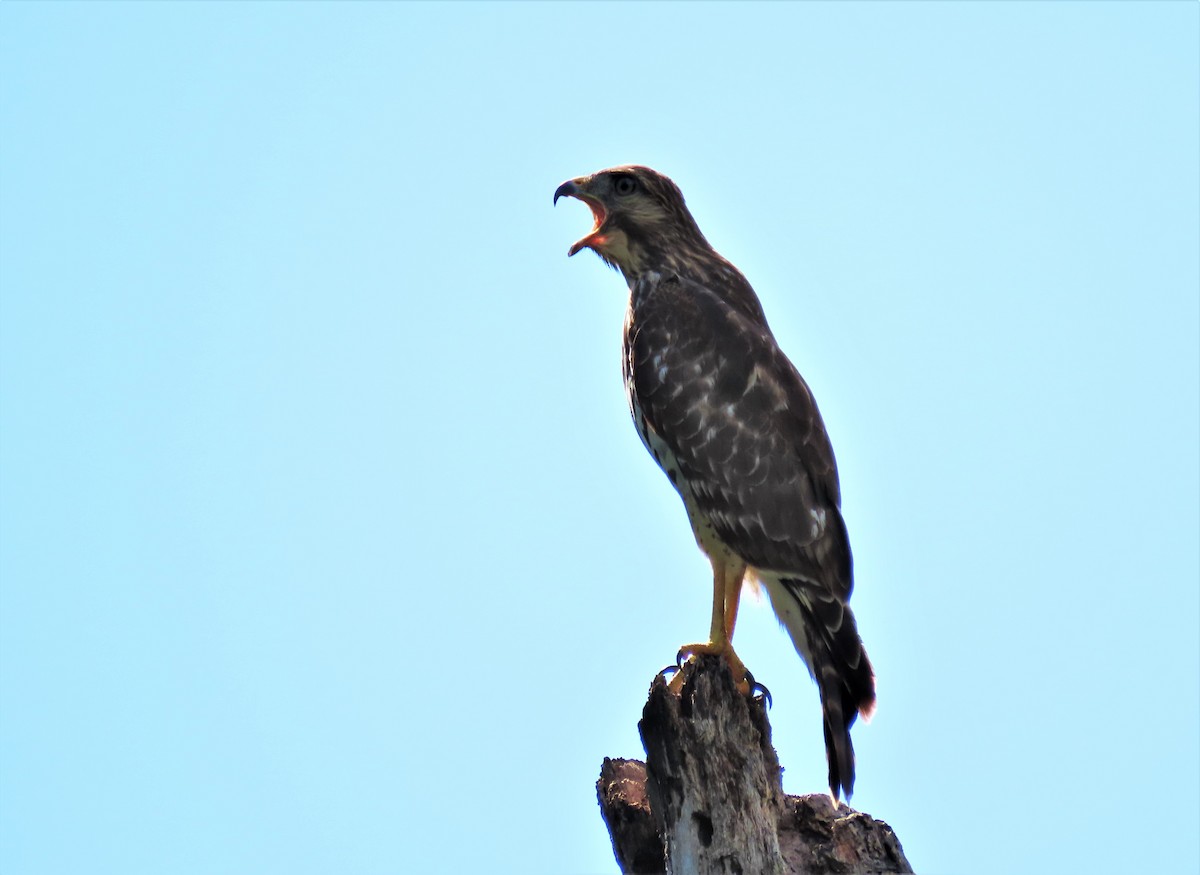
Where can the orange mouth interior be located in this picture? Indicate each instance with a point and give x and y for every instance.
(594, 237)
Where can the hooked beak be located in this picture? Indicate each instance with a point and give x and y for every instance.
(567, 189)
(576, 188)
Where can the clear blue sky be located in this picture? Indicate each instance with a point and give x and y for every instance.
(327, 544)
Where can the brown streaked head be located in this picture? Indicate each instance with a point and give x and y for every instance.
(638, 214)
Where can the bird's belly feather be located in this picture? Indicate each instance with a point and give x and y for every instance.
(702, 527)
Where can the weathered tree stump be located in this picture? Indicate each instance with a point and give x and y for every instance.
(709, 801)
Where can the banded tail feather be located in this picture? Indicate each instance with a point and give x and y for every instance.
(824, 632)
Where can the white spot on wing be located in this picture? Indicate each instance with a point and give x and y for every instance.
(818, 516)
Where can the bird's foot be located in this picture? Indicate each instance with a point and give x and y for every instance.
(742, 679)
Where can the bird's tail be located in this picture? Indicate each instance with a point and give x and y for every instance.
(823, 630)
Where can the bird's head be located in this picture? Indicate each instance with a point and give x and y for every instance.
(641, 218)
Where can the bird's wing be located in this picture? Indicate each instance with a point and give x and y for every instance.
(744, 429)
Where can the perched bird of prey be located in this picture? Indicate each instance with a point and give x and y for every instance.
(733, 425)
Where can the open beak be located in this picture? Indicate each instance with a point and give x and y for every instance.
(576, 188)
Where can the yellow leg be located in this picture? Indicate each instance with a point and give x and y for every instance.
(733, 597)
(727, 590)
(718, 637)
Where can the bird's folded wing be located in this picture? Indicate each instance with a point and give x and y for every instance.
(744, 428)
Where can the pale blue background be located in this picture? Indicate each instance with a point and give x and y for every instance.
(328, 545)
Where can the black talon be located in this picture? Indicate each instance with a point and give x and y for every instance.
(680, 658)
(669, 670)
(756, 687)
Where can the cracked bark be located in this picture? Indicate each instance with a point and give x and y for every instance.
(708, 800)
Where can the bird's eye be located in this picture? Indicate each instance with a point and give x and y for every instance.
(626, 185)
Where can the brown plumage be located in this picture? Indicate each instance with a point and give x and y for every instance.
(734, 426)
